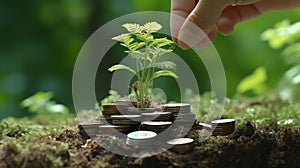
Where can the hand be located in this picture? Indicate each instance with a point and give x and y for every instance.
(213, 15)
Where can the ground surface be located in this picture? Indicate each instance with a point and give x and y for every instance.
(263, 147)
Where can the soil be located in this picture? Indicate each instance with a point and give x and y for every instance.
(246, 147)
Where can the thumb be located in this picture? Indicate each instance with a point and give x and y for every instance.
(201, 21)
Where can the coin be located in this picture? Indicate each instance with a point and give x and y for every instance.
(124, 122)
(223, 121)
(141, 135)
(140, 138)
(156, 126)
(181, 145)
(157, 116)
(134, 110)
(223, 127)
(111, 129)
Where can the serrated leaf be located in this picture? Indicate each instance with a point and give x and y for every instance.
(138, 55)
(133, 27)
(157, 52)
(136, 46)
(165, 73)
(121, 67)
(165, 65)
(161, 42)
(151, 27)
(123, 38)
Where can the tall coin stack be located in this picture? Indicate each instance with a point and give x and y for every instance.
(119, 118)
(156, 121)
(113, 109)
(157, 116)
(181, 112)
(223, 127)
(155, 126)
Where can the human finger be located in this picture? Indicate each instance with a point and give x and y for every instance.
(235, 14)
(204, 16)
(180, 9)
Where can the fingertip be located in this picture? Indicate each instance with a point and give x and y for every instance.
(225, 25)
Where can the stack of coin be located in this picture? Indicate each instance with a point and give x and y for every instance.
(181, 145)
(205, 126)
(175, 108)
(223, 127)
(101, 120)
(89, 130)
(138, 111)
(181, 112)
(140, 138)
(179, 109)
(157, 116)
(113, 109)
(126, 119)
(185, 118)
(155, 126)
(113, 129)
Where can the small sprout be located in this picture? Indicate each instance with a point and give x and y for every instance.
(145, 49)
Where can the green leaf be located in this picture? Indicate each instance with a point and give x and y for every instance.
(125, 38)
(161, 42)
(144, 37)
(139, 55)
(165, 73)
(292, 54)
(157, 52)
(121, 67)
(165, 65)
(151, 27)
(282, 33)
(133, 27)
(254, 82)
(136, 46)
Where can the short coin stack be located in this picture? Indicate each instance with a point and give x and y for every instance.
(181, 112)
(155, 126)
(223, 127)
(140, 138)
(181, 145)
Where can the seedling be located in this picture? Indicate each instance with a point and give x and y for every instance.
(146, 49)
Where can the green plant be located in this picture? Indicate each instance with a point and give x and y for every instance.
(284, 33)
(46, 110)
(254, 83)
(146, 49)
(40, 103)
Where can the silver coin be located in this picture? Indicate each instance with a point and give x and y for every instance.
(141, 135)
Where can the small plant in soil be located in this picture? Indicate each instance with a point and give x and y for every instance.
(146, 49)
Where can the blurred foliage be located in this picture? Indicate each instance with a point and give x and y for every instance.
(41, 39)
(40, 103)
(44, 108)
(254, 83)
(285, 34)
(263, 111)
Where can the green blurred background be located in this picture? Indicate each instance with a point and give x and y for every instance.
(40, 40)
